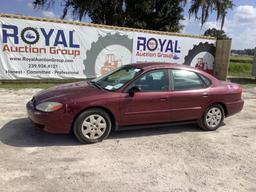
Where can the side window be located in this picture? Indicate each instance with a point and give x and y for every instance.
(186, 80)
(206, 80)
(156, 80)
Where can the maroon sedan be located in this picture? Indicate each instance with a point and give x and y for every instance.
(133, 96)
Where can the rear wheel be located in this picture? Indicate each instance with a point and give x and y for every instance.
(92, 126)
(212, 118)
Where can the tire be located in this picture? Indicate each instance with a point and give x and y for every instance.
(86, 128)
(212, 122)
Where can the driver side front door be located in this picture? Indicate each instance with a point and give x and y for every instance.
(151, 104)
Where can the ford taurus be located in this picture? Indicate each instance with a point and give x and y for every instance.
(135, 96)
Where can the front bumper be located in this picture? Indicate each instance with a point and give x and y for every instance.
(53, 122)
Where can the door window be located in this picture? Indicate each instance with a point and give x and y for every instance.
(186, 80)
(156, 80)
(206, 80)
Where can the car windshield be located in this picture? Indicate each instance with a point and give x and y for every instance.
(118, 78)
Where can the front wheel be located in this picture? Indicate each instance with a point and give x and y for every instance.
(212, 118)
(92, 126)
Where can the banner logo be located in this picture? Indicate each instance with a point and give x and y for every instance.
(58, 41)
(157, 48)
(30, 35)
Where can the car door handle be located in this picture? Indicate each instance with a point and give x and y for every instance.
(205, 94)
(163, 99)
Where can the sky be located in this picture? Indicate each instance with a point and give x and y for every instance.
(240, 23)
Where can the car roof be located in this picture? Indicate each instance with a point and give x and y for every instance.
(154, 65)
(157, 65)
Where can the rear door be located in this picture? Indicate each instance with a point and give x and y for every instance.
(190, 95)
(151, 104)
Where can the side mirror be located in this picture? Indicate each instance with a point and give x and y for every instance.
(133, 90)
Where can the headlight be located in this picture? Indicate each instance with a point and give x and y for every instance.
(49, 106)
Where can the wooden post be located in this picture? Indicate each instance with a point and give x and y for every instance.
(222, 58)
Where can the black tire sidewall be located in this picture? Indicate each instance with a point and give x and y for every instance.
(78, 124)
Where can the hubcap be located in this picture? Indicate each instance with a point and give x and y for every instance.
(94, 126)
(213, 117)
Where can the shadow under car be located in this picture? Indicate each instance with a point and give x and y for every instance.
(22, 133)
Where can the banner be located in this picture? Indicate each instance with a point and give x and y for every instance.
(48, 50)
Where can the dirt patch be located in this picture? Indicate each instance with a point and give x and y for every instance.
(177, 158)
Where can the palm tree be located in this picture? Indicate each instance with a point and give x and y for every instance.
(112, 12)
(208, 6)
(107, 12)
(79, 7)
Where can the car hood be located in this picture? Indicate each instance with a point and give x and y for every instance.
(68, 91)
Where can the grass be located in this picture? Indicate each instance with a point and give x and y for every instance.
(241, 59)
(35, 84)
(26, 85)
(240, 69)
(240, 66)
(244, 82)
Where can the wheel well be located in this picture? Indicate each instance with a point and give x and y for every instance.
(223, 106)
(112, 118)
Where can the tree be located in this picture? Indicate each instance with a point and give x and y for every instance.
(207, 6)
(250, 52)
(146, 14)
(107, 12)
(219, 34)
(162, 15)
